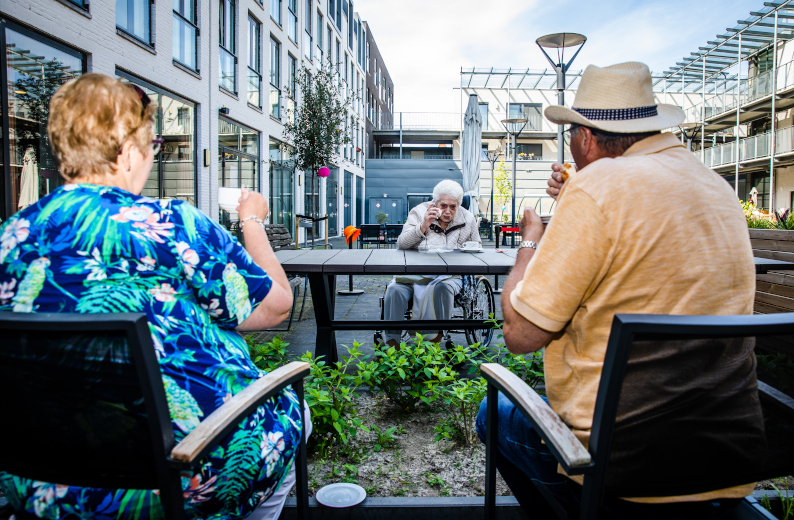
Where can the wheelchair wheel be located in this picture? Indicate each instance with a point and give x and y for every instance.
(480, 308)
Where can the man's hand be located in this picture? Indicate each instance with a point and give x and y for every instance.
(555, 182)
(531, 227)
(432, 214)
(252, 203)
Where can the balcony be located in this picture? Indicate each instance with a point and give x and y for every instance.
(748, 91)
(750, 148)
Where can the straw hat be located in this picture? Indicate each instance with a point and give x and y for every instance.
(619, 99)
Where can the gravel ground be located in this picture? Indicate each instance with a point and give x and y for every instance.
(412, 466)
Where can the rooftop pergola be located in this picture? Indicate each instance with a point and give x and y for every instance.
(715, 64)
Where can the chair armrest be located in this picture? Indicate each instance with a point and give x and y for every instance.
(550, 427)
(199, 442)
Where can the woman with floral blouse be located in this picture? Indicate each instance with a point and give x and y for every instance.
(95, 245)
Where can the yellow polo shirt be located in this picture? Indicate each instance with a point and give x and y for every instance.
(654, 232)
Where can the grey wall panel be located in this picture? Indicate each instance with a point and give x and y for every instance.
(397, 178)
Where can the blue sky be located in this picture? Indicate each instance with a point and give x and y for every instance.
(425, 42)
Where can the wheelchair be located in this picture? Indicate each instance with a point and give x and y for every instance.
(475, 301)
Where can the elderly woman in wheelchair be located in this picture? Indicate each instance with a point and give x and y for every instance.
(442, 223)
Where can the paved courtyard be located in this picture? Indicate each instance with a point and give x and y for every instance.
(366, 306)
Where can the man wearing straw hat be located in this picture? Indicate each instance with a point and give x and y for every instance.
(623, 239)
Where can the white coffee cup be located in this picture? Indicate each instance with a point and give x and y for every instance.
(471, 244)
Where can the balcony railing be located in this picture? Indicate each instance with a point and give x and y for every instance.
(750, 148)
(452, 121)
(750, 90)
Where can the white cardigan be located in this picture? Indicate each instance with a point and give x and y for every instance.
(462, 229)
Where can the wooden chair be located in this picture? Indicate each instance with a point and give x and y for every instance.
(84, 405)
(605, 464)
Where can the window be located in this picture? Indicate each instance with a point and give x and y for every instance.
(134, 18)
(332, 200)
(254, 62)
(338, 52)
(275, 78)
(339, 15)
(292, 23)
(331, 9)
(330, 43)
(228, 65)
(366, 58)
(185, 33)
(173, 173)
(350, 24)
(347, 192)
(281, 186)
(360, 200)
(345, 146)
(35, 68)
(320, 38)
(530, 111)
(484, 115)
(346, 67)
(238, 161)
(275, 11)
(293, 77)
(307, 34)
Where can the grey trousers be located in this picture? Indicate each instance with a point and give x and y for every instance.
(398, 295)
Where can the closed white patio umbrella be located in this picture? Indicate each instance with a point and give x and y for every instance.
(471, 147)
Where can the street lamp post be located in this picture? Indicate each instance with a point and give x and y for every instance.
(493, 156)
(561, 41)
(690, 132)
(514, 127)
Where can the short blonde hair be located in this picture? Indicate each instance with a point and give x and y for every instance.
(91, 117)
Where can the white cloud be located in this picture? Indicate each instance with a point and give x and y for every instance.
(425, 42)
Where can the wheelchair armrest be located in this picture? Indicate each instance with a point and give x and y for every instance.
(568, 450)
(203, 438)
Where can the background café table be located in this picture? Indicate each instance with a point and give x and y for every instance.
(323, 266)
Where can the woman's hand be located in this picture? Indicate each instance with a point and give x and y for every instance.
(252, 203)
(431, 216)
(555, 182)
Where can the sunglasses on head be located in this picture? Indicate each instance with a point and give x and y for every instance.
(157, 144)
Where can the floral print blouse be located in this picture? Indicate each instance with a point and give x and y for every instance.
(96, 249)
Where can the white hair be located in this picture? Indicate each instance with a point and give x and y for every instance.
(448, 187)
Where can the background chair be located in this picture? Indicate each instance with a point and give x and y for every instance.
(89, 389)
(678, 451)
(370, 234)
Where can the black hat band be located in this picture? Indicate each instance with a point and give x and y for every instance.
(617, 114)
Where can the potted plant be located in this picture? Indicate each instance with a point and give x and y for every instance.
(382, 218)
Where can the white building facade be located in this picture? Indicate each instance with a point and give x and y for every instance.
(220, 73)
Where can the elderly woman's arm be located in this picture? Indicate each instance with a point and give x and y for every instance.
(276, 306)
(416, 227)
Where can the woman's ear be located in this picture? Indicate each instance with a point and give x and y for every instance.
(124, 159)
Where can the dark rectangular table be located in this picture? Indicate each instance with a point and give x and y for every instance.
(323, 266)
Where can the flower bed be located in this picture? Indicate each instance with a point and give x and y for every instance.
(401, 422)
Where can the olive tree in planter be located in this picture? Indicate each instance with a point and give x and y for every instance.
(316, 124)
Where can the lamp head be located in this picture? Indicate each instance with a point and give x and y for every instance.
(515, 126)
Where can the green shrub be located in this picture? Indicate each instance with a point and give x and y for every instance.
(776, 370)
(330, 391)
(409, 375)
(268, 356)
(463, 398)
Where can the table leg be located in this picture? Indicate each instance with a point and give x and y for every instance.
(323, 288)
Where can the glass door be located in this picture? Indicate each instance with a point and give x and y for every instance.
(359, 200)
(332, 201)
(348, 194)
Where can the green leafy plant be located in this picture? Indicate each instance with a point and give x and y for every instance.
(528, 367)
(754, 217)
(381, 218)
(330, 393)
(784, 219)
(383, 438)
(786, 503)
(270, 355)
(408, 375)
(463, 398)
